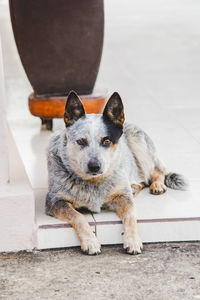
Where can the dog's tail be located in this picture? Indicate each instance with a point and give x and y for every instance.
(176, 181)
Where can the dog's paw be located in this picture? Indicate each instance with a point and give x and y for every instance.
(133, 245)
(91, 246)
(157, 188)
(136, 188)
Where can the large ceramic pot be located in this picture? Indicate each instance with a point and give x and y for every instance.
(59, 43)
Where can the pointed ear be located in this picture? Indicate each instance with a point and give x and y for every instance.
(114, 110)
(74, 109)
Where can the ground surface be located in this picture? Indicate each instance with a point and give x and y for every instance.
(162, 271)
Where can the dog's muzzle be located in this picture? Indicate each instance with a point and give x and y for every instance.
(94, 167)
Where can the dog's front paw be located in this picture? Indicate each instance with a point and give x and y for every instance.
(133, 245)
(157, 188)
(91, 246)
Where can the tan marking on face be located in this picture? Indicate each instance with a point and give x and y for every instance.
(97, 179)
(101, 177)
(104, 175)
(80, 224)
(113, 147)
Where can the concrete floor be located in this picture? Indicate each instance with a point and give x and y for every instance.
(162, 271)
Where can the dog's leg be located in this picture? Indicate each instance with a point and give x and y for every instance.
(64, 211)
(136, 188)
(125, 209)
(157, 179)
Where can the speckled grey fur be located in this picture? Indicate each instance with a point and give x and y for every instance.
(130, 162)
(64, 182)
(176, 181)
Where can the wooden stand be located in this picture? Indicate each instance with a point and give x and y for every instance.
(53, 107)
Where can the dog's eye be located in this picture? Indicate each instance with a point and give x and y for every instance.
(106, 142)
(82, 142)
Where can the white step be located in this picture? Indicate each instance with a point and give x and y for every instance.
(17, 206)
(174, 216)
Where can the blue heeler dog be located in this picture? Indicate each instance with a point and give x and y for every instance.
(97, 162)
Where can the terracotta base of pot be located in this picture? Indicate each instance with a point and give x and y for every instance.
(53, 107)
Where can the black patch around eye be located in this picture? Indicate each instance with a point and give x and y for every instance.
(114, 131)
(106, 141)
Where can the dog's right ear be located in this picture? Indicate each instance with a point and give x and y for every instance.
(114, 110)
(74, 109)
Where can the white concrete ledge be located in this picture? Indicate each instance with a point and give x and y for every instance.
(160, 219)
(17, 206)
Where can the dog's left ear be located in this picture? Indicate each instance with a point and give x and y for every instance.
(114, 110)
(74, 109)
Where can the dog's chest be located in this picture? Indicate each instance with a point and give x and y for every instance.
(92, 196)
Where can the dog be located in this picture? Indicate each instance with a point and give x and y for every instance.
(98, 161)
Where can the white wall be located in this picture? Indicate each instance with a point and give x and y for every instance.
(3, 128)
(17, 203)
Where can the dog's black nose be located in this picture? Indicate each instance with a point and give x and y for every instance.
(94, 166)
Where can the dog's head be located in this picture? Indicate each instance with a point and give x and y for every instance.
(92, 139)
